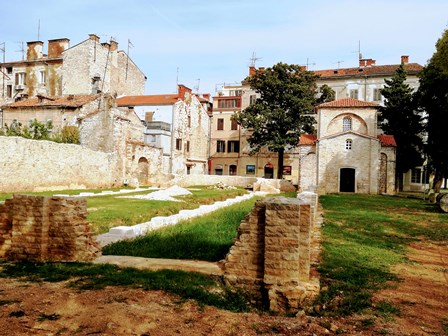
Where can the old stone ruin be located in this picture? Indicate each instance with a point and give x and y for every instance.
(46, 229)
(272, 256)
(271, 260)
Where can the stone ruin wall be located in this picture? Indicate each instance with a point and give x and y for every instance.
(46, 229)
(273, 253)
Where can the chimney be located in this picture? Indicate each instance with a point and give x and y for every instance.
(405, 59)
(206, 96)
(113, 45)
(252, 70)
(149, 116)
(57, 46)
(182, 89)
(34, 50)
(362, 62)
(370, 62)
(94, 37)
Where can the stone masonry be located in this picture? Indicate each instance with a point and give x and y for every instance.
(46, 229)
(272, 253)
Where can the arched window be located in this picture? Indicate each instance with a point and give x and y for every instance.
(346, 124)
(348, 144)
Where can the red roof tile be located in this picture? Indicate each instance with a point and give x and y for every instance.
(387, 140)
(164, 99)
(69, 101)
(347, 102)
(374, 70)
(307, 139)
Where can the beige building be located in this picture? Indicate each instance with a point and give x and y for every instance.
(179, 124)
(348, 154)
(89, 67)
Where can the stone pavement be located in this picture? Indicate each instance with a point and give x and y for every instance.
(155, 264)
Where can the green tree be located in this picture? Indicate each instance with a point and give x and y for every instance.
(433, 99)
(400, 117)
(283, 111)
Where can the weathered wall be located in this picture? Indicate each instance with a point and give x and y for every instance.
(46, 229)
(32, 165)
(191, 180)
(271, 257)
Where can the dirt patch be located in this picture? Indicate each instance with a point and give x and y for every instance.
(422, 293)
(28, 308)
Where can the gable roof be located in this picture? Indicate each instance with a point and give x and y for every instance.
(307, 139)
(374, 70)
(69, 101)
(145, 100)
(347, 103)
(387, 140)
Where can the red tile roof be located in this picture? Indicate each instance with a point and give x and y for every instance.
(69, 101)
(307, 139)
(387, 140)
(374, 70)
(347, 102)
(144, 100)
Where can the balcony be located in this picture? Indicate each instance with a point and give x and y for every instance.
(158, 125)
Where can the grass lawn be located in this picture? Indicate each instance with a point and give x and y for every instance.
(363, 236)
(105, 212)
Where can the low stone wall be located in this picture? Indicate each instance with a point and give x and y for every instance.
(271, 257)
(46, 229)
(191, 180)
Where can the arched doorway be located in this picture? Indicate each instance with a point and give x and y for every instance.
(143, 168)
(269, 171)
(347, 180)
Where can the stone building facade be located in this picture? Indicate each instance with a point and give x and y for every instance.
(179, 124)
(348, 154)
(90, 67)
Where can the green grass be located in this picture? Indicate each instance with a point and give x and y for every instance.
(207, 237)
(105, 212)
(363, 237)
(205, 290)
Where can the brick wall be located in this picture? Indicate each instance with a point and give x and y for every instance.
(46, 229)
(271, 257)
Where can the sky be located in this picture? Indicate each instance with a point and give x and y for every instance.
(205, 44)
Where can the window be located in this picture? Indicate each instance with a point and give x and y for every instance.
(218, 171)
(346, 124)
(232, 170)
(9, 91)
(250, 169)
(220, 124)
(354, 94)
(377, 95)
(189, 121)
(286, 170)
(348, 144)
(416, 176)
(236, 92)
(220, 146)
(229, 103)
(179, 144)
(252, 99)
(20, 78)
(234, 125)
(188, 146)
(152, 138)
(42, 77)
(233, 146)
(9, 70)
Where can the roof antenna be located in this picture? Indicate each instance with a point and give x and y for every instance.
(197, 86)
(253, 59)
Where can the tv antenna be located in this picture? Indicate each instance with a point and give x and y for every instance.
(197, 86)
(339, 63)
(130, 45)
(359, 50)
(22, 49)
(254, 59)
(308, 63)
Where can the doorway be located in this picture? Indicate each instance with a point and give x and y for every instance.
(269, 171)
(347, 180)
